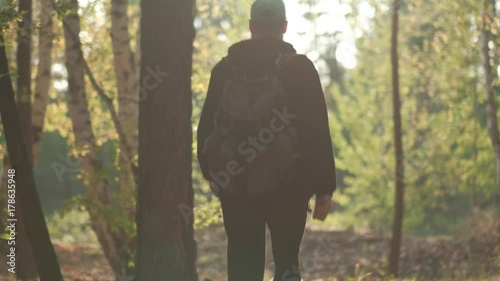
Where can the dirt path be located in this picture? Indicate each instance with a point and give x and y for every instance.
(325, 255)
(334, 255)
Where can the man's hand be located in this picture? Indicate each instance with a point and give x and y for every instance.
(322, 207)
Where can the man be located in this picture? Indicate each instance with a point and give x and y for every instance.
(284, 208)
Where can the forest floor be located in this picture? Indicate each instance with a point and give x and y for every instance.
(328, 255)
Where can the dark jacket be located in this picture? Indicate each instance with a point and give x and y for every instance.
(315, 170)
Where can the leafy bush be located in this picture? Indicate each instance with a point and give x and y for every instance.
(71, 227)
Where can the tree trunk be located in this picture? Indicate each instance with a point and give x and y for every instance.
(137, 57)
(488, 16)
(98, 194)
(126, 81)
(166, 246)
(36, 229)
(43, 76)
(398, 145)
(128, 110)
(3, 201)
(26, 260)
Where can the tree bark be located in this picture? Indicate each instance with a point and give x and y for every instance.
(98, 194)
(398, 145)
(166, 246)
(128, 109)
(24, 72)
(3, 196)
(26, 261)
(137, 58)
(43, 76)
(37, 233)
(488, 16)
(126, 81)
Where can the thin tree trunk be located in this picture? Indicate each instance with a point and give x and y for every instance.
(398, 145)
(126, 81)
(98, 195)
(137, 58)
(166, 247)
(38, 235)
(24, 72)
(488, 15)
(128, 110)
(26, 261)
(43, 77)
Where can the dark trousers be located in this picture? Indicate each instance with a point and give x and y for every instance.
(245, 222)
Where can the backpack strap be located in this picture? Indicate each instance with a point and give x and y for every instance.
(283, 59)
(230, 68)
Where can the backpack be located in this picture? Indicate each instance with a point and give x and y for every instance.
(252, 148)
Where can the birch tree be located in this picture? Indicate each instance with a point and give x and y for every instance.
(126, 79)
(128, 108)
(98, 194)
(43, 77)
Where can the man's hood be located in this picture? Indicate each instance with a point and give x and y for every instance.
(256, 53)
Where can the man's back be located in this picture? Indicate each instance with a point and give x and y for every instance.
(315, 170)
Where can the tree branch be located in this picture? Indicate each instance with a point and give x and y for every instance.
(109, 103)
